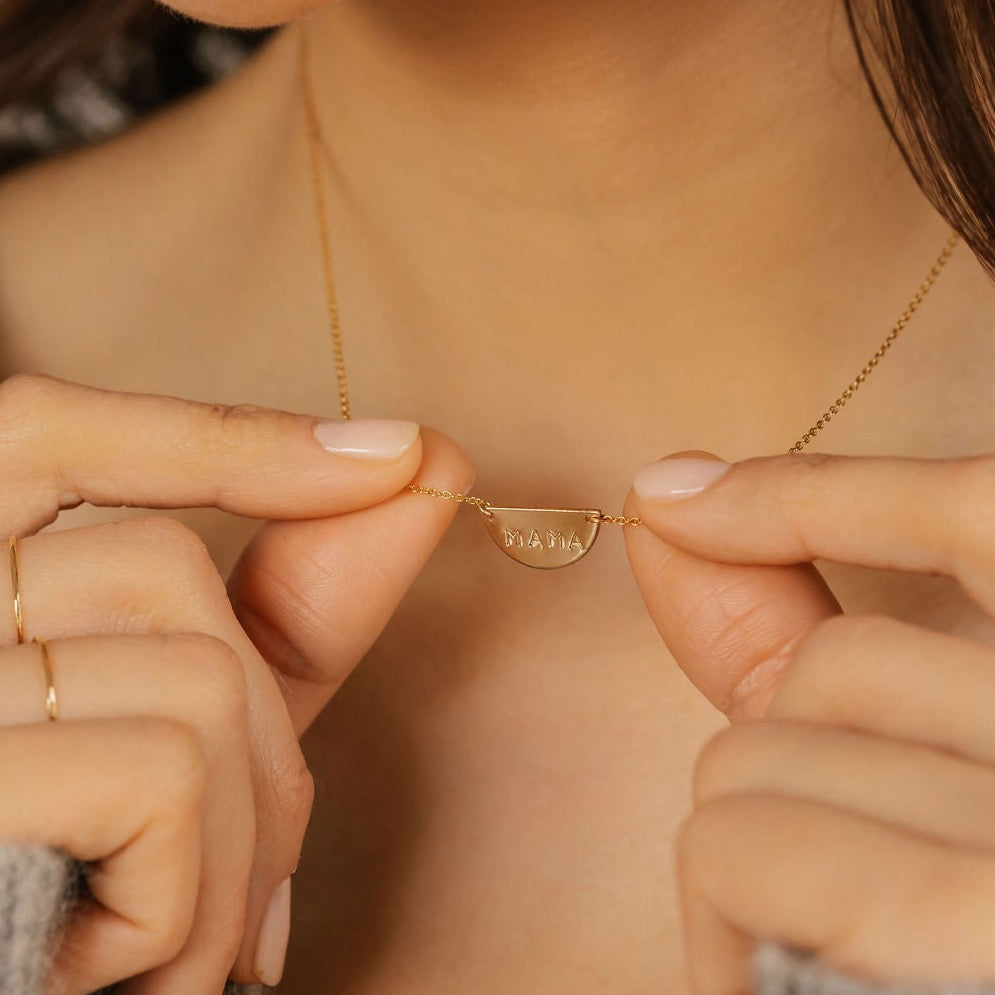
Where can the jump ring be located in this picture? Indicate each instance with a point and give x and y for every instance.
(51, 699)
(16, 584)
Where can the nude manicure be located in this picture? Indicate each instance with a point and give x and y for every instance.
(271, 947)
(675, 479)
(368, 438)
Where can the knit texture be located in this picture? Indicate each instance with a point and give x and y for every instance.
(780, 970)
(39, 886)
(33, 894)
(131, 78)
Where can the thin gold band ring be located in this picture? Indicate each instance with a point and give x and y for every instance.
(51, 698)
(16, 584)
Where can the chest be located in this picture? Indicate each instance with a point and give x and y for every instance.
(514, 756)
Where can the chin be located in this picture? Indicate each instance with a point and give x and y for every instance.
(244, 14)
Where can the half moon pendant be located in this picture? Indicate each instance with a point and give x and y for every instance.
(544, 538)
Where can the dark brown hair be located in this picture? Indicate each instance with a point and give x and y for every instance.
(930, 67)
(929, 64)
(38, 38)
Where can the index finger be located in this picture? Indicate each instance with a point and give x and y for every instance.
(63, 443)
(924, 515)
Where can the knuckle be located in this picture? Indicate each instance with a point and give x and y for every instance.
(859, 630)
(30, 406)
(236, 414)
(715, 835)
(233, 427)
(686, 845)
(24, 393)
(183, 543)
(155, 941)
(828, 668)
(804, 678)
(828, 636)
(179, 766)
(821, 661)
(25, 406)
(169, 934)
(221, 687)
(181, 558)
(839, 636)
(804, 499)
(720, 758)
(295, 794)
(702, 841)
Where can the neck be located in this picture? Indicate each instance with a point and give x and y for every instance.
(590, 109)
(632, 124)
(740, 132)
(685, 180)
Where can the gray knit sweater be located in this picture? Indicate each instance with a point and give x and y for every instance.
(37, 888)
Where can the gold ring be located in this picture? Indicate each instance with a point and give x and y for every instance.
(51, 699)
(15, 581)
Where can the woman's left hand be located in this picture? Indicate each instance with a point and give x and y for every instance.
(852, 813)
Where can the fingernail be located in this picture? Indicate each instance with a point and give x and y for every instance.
(674, 479)
(369, 438)
(271, 948)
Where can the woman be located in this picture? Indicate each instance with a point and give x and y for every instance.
(573, 237)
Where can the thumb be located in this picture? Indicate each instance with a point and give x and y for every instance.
(731, 628)
(314, 595)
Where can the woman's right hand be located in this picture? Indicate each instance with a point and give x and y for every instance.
(158, 666)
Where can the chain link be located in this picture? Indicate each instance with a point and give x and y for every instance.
(903, 319)
(315, 146)
(479, 503)
(616, 520)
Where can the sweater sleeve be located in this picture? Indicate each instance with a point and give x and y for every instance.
(35, 893)
(781, 970)
(39, 886)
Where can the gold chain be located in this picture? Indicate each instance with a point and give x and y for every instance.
(479, 503)
(889, 340)
(321, 215)
(332, 305)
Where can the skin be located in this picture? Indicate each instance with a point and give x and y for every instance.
(505, 785)
(246, 698)
(860, 743)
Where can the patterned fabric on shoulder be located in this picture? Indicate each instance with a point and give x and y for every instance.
(130, 79)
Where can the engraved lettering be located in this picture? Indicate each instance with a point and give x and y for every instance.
(544, 538)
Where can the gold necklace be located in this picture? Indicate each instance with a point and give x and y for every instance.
(545, 538)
